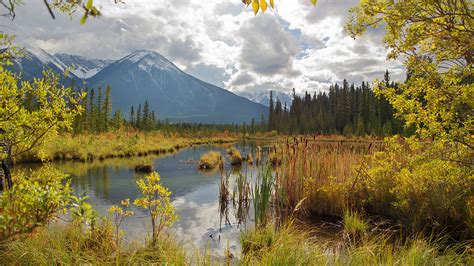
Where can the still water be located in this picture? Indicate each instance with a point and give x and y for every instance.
(203, 222)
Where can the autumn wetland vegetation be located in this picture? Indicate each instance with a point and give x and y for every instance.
(380, 174)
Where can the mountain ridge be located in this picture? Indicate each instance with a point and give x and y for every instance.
(147, 75)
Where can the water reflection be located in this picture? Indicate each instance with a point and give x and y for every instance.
(213, 206)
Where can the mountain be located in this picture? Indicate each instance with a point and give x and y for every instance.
(173, 94)
(36, 60)
(263, 97)
(146, 75)
(33, 63)
(82, 67)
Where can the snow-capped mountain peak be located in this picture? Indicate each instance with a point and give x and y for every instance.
(81, 67)
(147, 60)
(40, 54)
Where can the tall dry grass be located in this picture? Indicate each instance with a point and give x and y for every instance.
(401, 180)
(318, 173)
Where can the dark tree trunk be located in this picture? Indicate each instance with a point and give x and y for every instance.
(6, 182)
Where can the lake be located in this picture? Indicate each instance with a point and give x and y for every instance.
(203, 221)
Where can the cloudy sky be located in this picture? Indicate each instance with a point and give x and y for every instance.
(221, 41)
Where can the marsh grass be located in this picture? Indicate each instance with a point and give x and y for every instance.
(234, 156)
(210, 160)
(122, 143)
(241, 198)
(70, 245)
(292, 246)
(398, 180)
(249, 159)
(355, 227)
(263, 191)
(318, 171)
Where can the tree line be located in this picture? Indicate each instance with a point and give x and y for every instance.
(344, 109)
(99, 116)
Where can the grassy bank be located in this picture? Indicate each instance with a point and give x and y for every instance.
(66, 245)
(289, 245)
(88, 147)
(292, 246)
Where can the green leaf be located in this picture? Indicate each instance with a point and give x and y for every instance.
(83, 19)
(89, 5)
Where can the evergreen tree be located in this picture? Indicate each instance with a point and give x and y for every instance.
(107, 109)
(146, 116)
(99, 126)
(139, 119)
(132, 116)
(270, 113)
(91, 111)
(344, 109)
(117, 119)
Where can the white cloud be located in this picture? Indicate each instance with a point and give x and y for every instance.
(221, 41)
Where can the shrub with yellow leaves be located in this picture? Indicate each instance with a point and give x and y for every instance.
(156, 200)
(119, 214)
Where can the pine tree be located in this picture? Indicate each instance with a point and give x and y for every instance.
(117, 120)
(146, 116)
(132, 117)
(107, 109)
(270, 113)
(99, 125)
(138, 120)
(91, 113)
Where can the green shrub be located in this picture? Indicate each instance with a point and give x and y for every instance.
(413, 184)
(37, 198)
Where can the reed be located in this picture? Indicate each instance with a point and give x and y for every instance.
(317, 171)
(262, 195)
(241, 198)
(399, 179)
(224, 199)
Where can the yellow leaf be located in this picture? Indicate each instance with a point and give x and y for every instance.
(263, 5)
(255, 6)
(272, 4)
(314, 2)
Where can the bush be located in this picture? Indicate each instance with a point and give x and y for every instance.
(156, 201)
(411, 183)
(37, 198)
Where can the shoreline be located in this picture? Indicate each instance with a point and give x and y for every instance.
(61, 156)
